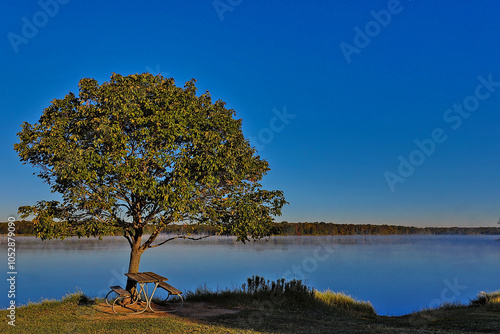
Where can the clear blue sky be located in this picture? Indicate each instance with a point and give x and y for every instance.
(333, 93)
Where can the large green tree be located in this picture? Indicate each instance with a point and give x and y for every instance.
(139, 152)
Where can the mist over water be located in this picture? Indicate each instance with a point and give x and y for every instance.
(397, 274)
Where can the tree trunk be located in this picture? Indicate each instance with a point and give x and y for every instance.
(135, 259)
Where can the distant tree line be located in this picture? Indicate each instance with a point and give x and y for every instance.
(22, 227)
(303, 228)
(322, 228)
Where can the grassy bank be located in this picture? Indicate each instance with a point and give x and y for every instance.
(264, 307)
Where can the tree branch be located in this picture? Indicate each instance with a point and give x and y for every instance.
(152, 238)
(128, 238)
(179, 237)
(153, 212)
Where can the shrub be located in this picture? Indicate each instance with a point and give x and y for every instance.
(292, 291)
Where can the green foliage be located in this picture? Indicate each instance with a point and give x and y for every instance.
(138, 151)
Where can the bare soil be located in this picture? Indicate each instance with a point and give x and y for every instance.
(188, 310)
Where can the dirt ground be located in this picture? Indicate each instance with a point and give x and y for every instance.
(188, 310)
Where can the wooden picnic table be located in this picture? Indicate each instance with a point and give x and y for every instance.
(146, 277)
(125, 299)
(143, 279)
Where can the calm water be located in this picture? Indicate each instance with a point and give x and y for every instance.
(397, 274)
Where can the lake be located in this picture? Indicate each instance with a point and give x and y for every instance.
(397, 274)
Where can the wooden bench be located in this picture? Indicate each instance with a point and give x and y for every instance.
(120, 291)
(171, 292)
(121, 295)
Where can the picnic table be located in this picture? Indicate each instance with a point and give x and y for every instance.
(143, 279)
(142, 295)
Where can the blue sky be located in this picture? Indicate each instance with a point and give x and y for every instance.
(334, 94)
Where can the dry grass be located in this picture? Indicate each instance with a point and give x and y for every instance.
(340, 300)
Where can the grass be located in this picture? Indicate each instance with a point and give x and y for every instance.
(77, 313)
(490, 300)
(341, 301)
(266, 307)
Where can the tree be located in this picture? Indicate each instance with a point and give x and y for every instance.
(139, 152)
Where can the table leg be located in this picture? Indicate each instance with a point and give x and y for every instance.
(143, 291)
(151, 298)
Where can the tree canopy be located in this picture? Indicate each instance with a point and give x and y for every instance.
(139, 151)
